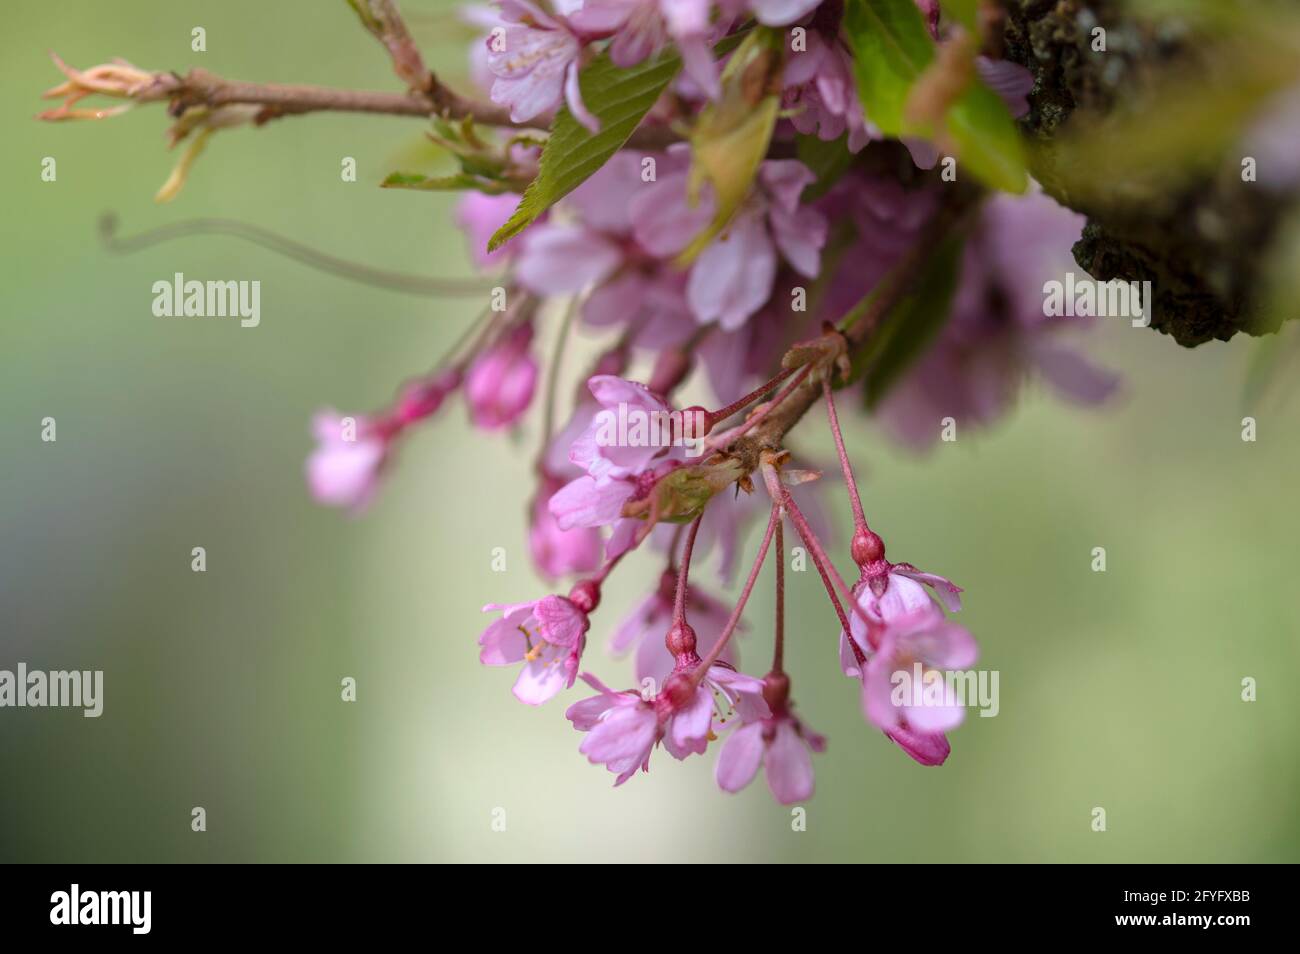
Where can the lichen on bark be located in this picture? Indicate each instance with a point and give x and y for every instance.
(1198, 240)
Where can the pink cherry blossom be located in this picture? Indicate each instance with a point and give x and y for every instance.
(600, 453)
(546, 635)
(588, 502)
(536, 65)
(561, 259)
(640, 29)
(623, 728)
(733, 275)
(920, 638)
(596, 249)
(782, 745)
(344, 469)
(500, 383)
(888, 591)
(480, 216)
(821, 90)
(556, 552)
(638, 26)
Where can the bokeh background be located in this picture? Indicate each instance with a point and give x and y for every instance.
(1118, 689)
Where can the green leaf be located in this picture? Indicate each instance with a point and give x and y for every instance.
(732, 134)
(965, 12)
(727, 155)
(891, 47)
(914, 323)
(619, 98)
(987, 139)
(452, 183)
(827, 161)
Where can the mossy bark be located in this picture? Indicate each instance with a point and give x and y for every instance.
(1200, 243)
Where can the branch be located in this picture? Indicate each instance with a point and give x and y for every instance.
(199, 87)
(382, 19)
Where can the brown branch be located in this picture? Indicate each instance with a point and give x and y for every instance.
(199, 87)
(382, 19)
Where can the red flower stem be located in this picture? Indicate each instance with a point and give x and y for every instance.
(757, 419)
(679, 603)
(739, 405)
(778, 643)
(734, 620)
(828, 572)
(672, 547)
(608, 568)
(859, 518)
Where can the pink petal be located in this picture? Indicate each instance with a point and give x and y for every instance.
(662, 220)
(788, 765)
(540, 680)
(573, 97)
(689, 728)
(800, 236)
(785, 180)
(560, 259)
(948, 592)
(1011, 81)
(733, 276)
(781, 12)
(699, 65)
(559, 621)
(1072, 375)
(585, 503)
(926, 748)
(623, 736)
(585, 713)
(610, 391)
(877, 693)
(503, 644)
(740, 757)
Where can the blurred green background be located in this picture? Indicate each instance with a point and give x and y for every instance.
(1118, 689)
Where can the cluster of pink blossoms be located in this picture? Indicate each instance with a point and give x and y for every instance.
(611, 254)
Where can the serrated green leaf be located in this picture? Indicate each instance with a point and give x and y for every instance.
(891, 48)
(619, 98)
(987, 140)
(914, 323)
